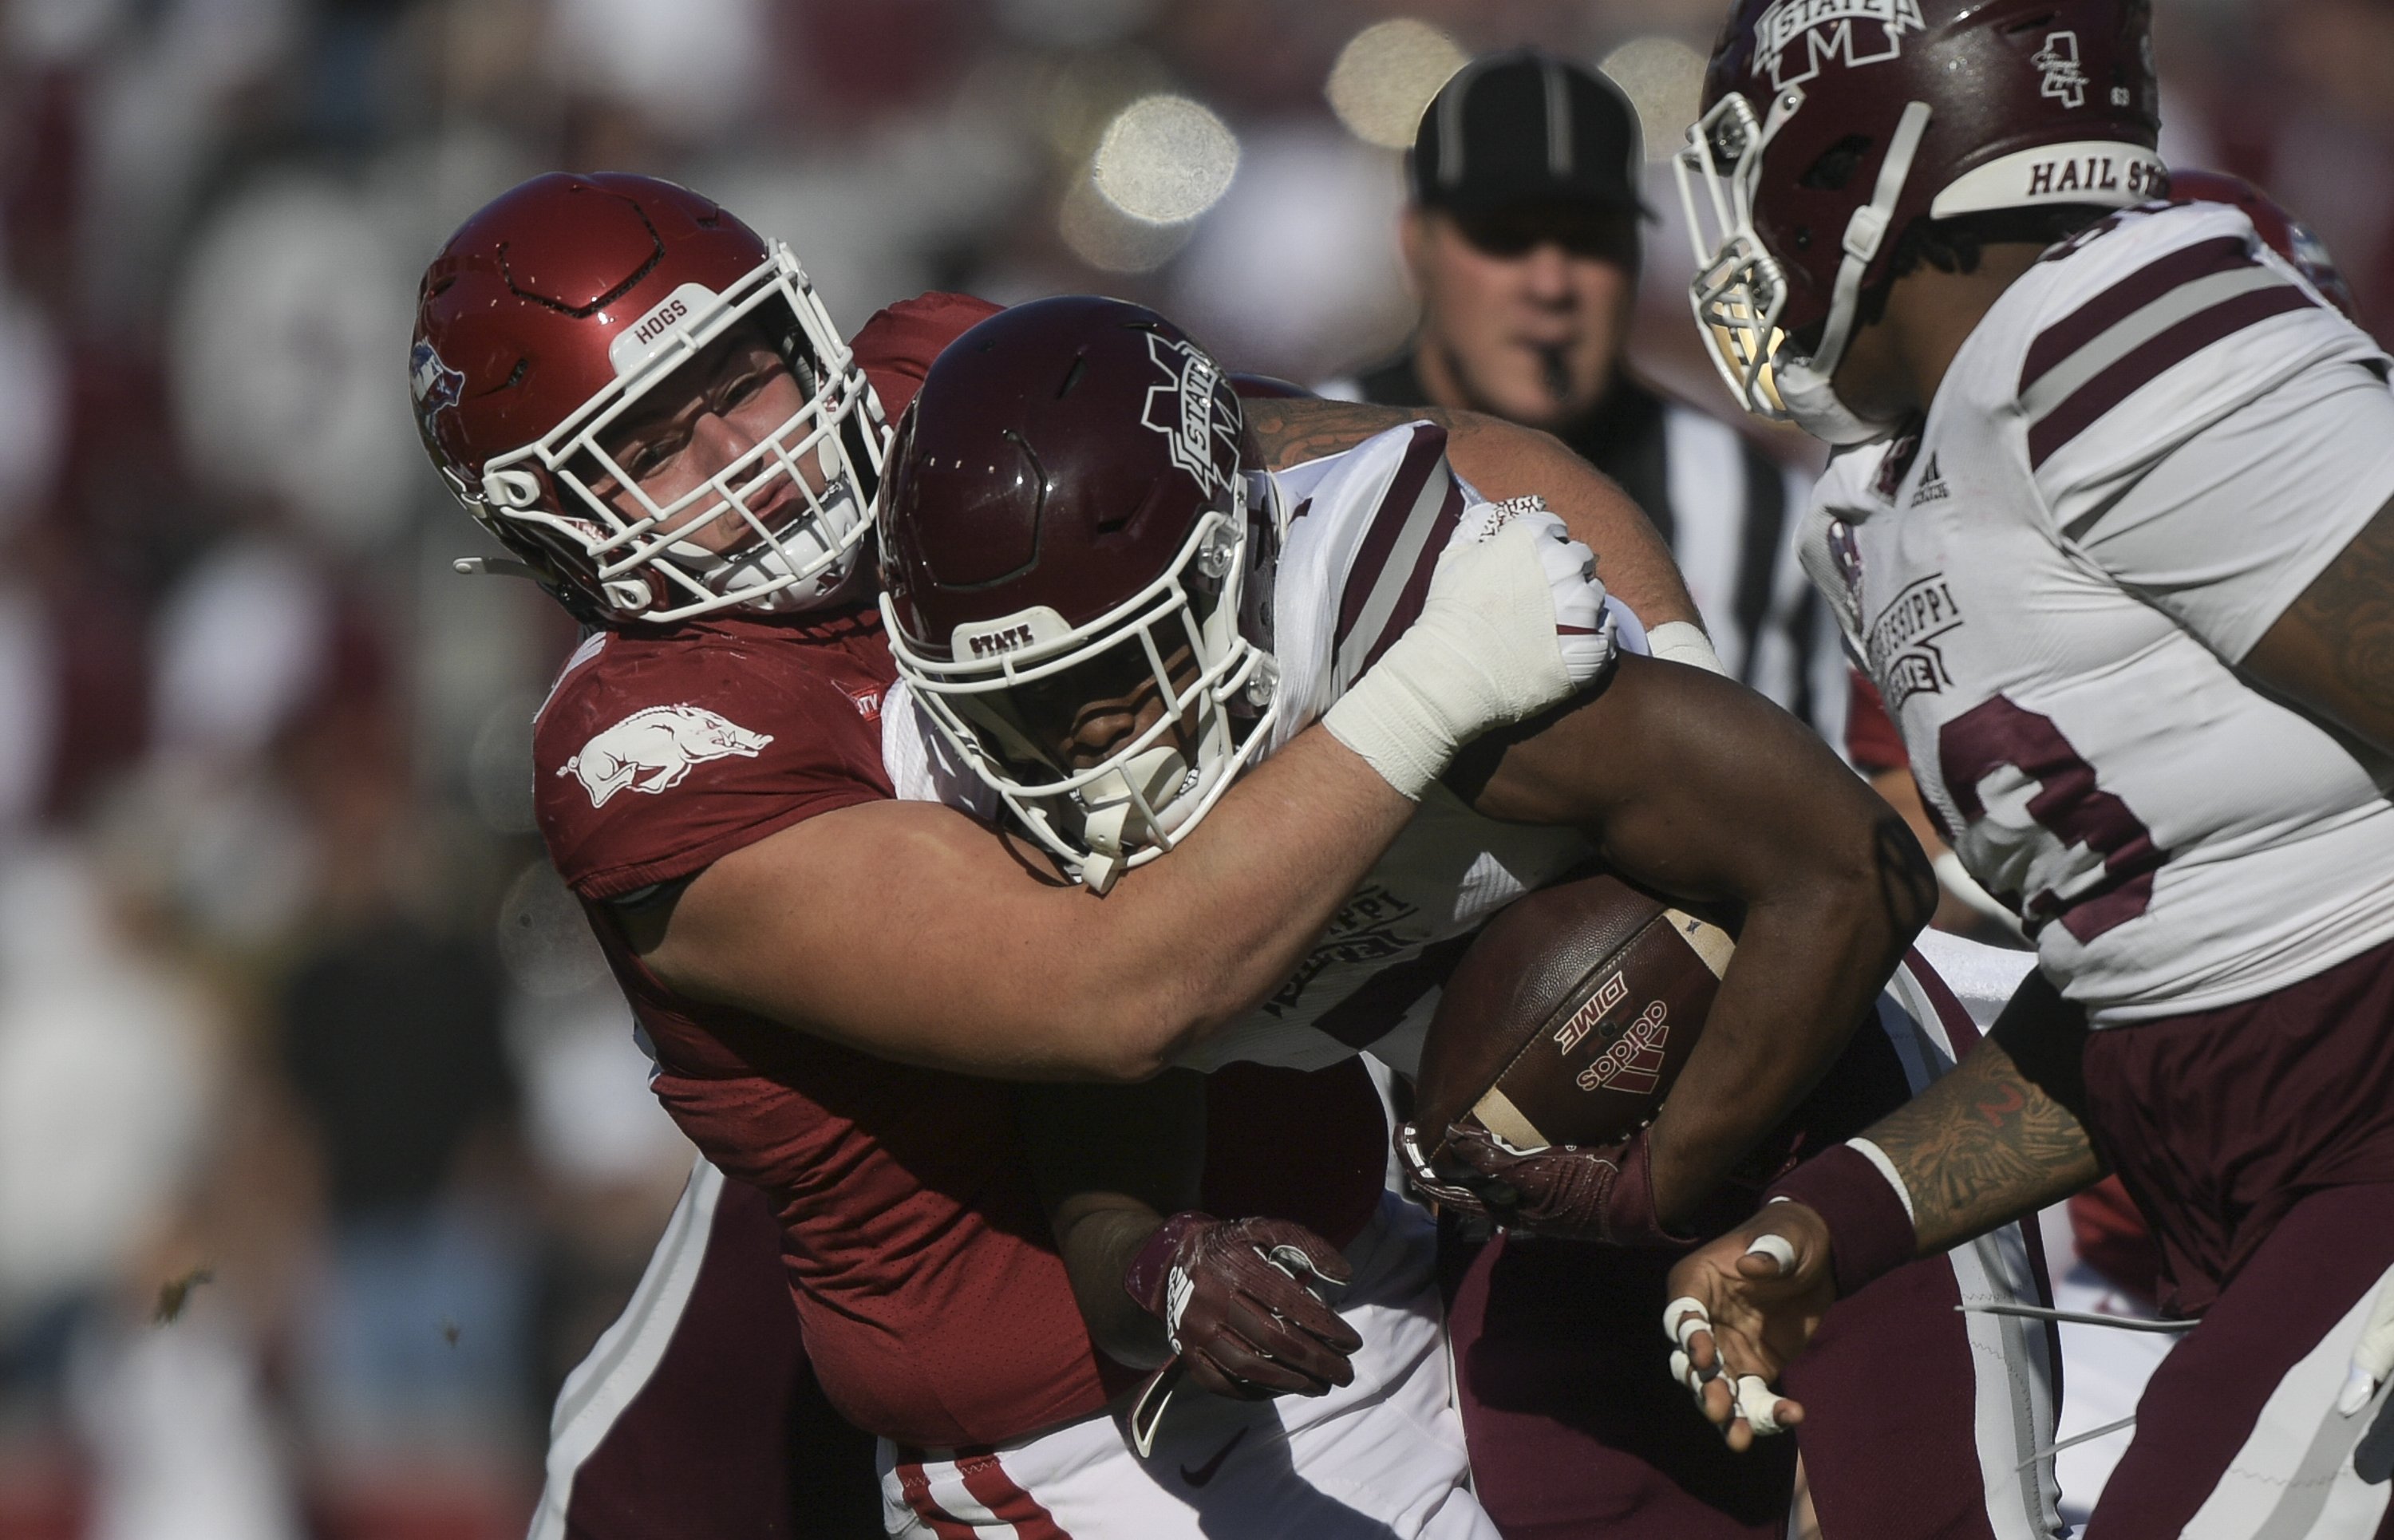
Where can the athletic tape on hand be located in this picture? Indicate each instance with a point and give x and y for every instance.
(1778, 1248)
(1757, 1404)
(1683, 1317)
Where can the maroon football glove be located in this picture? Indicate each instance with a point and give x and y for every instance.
(1233, 1296)
(1601, 1192)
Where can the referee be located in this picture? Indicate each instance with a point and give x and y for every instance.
(1521, 238)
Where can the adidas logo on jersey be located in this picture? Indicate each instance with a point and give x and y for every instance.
(1932, 484)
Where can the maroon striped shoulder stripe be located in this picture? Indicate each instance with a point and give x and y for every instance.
(2141, 328)
(1410, 525)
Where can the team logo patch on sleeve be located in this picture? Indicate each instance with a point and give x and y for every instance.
(654, 748)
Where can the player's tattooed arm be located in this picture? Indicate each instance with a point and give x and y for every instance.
(2002, 1134)
(1503, 460)
(2331, 653)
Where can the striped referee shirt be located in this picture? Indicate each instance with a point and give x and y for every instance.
(1728, 511)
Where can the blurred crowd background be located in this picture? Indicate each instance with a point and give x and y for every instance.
(324, 1147)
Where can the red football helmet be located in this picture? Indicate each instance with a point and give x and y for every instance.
(2288, 236)
(545, 324)
(1070, 519)
(1828, 127)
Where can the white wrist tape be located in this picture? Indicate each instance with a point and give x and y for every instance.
(1513, 624)
(1684, 641)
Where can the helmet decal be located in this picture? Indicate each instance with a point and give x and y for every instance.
(1182, 410)
(2064, 81)
(435, 386)
(1829, 30)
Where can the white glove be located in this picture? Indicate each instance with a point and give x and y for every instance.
(1684, 641)
(2373, 1356)
(1514, 623)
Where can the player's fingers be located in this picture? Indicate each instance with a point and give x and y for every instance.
(1305, 1346)
(1772, 1248)
(1297, 1251)
(1283, 1298)
(1253, 1373)
(1759, 1407)
(1718, 1402)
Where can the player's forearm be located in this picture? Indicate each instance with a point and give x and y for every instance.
(1982, 1147)
(1109, 1162)
(1806, 970)
(1505, 460)
(1097, 1245)
(2331, 653)
(1256, 885)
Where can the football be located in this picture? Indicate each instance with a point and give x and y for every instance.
(1570, 1018)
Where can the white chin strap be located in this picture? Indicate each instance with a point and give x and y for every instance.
(1803, 383)
(1125, 804)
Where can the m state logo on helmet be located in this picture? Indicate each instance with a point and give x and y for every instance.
(548, 328)
(1830, 126)
(1069, 512)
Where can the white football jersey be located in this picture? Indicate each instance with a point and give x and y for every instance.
(1362, 531)
(2150, 445)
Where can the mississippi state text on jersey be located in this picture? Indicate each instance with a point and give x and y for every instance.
(2149, 447)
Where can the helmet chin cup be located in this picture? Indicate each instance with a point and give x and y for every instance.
(1127, 804)
(1811, 403)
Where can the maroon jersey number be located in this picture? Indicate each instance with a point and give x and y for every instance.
(1997, 733)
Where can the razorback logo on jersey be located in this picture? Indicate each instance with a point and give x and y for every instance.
(1182, 410)
(1830, 30)
(654, 747)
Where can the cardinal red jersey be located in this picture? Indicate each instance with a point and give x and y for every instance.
(935, 1308)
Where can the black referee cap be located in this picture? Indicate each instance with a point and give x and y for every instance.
(1522, 126)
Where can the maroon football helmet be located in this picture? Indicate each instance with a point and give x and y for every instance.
(572, 308)
(1828, 127)
(2288, 236)
(1070, 518)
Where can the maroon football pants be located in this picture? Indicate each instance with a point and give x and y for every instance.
(1578, 1432)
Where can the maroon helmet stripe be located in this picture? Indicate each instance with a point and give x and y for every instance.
(1416, 588)
(1387, 522)
(2128, 297)
(2155, 358)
